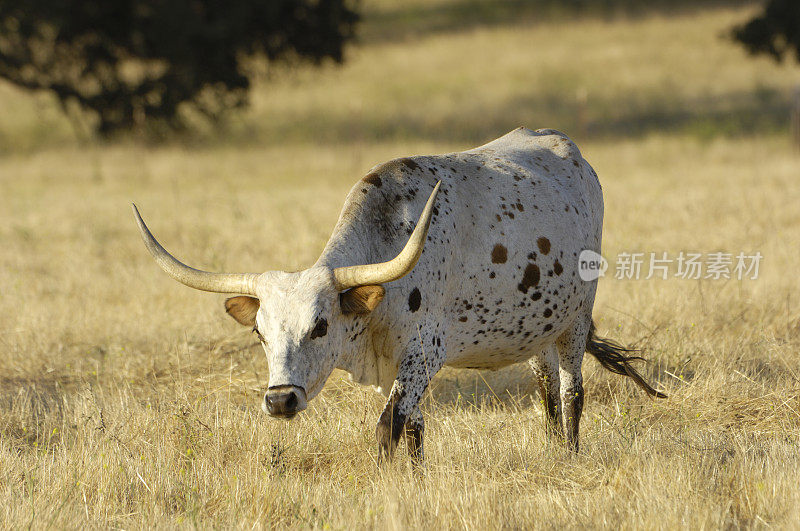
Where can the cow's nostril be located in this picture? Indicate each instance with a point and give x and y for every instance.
(291, 402)
(284, 403)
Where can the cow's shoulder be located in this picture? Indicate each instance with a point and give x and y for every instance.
(383, 206)
(398, 181)
(406, 171)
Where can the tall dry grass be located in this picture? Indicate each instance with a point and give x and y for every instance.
(130, 401)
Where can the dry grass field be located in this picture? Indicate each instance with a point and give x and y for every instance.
(129, 401)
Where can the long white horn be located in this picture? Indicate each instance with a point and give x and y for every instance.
(397, 267)
(244, 283)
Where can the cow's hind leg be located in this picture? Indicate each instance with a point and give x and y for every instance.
(545, 367)
(571, 346)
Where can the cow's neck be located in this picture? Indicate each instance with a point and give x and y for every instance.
(343, 251)
(370, 359)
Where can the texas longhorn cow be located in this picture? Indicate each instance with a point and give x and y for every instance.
(498, 283)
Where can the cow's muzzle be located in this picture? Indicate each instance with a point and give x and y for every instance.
(284, 401)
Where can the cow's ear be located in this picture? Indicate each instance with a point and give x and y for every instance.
(243, 309)
(361, 300)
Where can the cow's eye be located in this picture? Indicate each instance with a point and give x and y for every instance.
(257, 333)
(320, 329)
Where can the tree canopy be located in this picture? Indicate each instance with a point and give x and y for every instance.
(129, 61)
(775, 32)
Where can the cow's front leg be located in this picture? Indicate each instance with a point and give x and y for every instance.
(420, 364)
(415, 429)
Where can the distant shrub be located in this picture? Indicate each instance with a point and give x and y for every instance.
(775, 32)
(131, 61)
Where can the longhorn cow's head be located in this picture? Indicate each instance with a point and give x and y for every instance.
(300, 318)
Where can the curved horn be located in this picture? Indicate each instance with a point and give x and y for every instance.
(397, 267)
(244, 283)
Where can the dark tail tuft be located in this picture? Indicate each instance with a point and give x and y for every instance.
(612, 356)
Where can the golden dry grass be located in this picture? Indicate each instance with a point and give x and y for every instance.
(129, 401)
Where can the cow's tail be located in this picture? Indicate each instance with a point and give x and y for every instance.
(616, 359)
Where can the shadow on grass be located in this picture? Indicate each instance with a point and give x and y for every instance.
(759, 111)
(400, 22)
(31, 410)
(735, 114)
(468, 389)
(516, 386)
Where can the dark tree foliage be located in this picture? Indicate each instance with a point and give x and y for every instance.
(131, 60)
(775, 32)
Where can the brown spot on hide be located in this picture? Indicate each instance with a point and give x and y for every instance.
(544, 245)
(499, 254)
(410, 164)
(530, 278)
(373, 179)
(414, 300)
